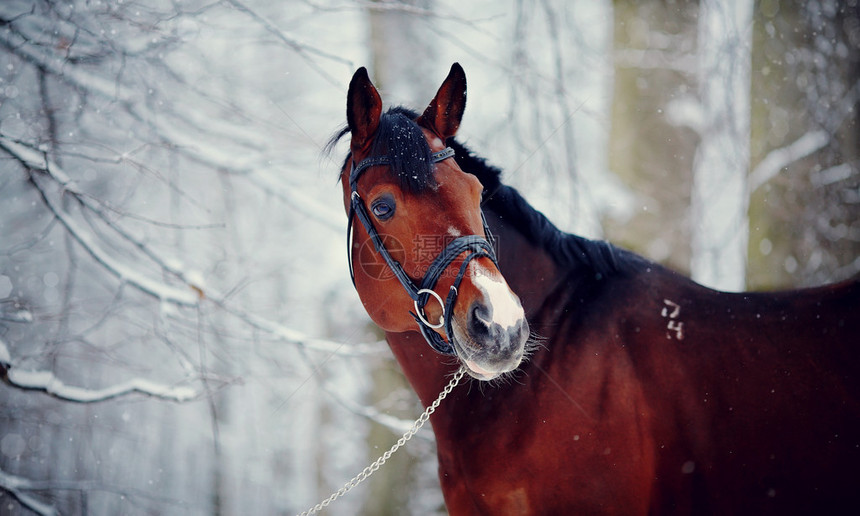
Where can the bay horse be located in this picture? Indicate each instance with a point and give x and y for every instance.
(643, 392)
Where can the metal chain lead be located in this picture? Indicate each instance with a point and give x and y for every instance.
(366, 472)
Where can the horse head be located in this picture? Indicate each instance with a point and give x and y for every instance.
(420, 252)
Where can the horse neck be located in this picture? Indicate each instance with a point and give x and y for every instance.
(426, 370)
(530, 271)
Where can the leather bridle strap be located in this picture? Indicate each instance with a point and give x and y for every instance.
(433, 338)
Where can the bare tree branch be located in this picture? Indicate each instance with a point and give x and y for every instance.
(171, 129)
(47, 382)
(159, 290)
(395, 424)
(16, 486)
(192, 293)
(303, 50)
(778, 159)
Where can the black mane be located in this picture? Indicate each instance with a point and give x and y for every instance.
(401, 138)
(565, 248)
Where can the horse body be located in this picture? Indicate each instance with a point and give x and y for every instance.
(754, 411)
(648, 393)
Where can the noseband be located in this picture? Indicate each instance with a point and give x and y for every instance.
(476, 247)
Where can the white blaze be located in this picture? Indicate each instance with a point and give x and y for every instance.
(505, 308)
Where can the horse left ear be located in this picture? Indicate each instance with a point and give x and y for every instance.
(445, 111)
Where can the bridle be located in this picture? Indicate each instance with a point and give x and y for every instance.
(477, 246)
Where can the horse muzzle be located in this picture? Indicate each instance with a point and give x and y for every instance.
(493, 339)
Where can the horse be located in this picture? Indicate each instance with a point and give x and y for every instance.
(602, 383)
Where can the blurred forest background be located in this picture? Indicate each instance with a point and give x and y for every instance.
(178, 332)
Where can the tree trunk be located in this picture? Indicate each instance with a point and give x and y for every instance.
(720, 198)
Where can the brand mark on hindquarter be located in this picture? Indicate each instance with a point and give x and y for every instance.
(674, 327)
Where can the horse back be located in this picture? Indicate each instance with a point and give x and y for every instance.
(653, 395)
(755, 396)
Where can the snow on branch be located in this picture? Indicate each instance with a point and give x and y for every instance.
(296, 337)
(301, 49)
(655, 59)
(397, 7)
(36, 163)
(305, 205)
(47, 382)
(172, 129)
(778, 159)
(395, 424)
(193, 292)
(806, 145)
(16, 486)
(834, 174)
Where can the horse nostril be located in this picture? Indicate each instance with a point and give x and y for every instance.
(481, 315)
(519, 333)
(492, 336)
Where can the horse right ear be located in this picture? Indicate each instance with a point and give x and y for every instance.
(363, 109)
(445, 111)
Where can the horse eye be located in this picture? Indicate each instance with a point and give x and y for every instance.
(383, 208)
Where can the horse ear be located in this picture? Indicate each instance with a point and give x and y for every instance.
(363, 109)
(445, 111)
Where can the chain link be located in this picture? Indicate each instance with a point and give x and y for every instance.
(366, 472)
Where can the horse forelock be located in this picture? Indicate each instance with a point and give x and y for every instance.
(400, 138)
(403, 141)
